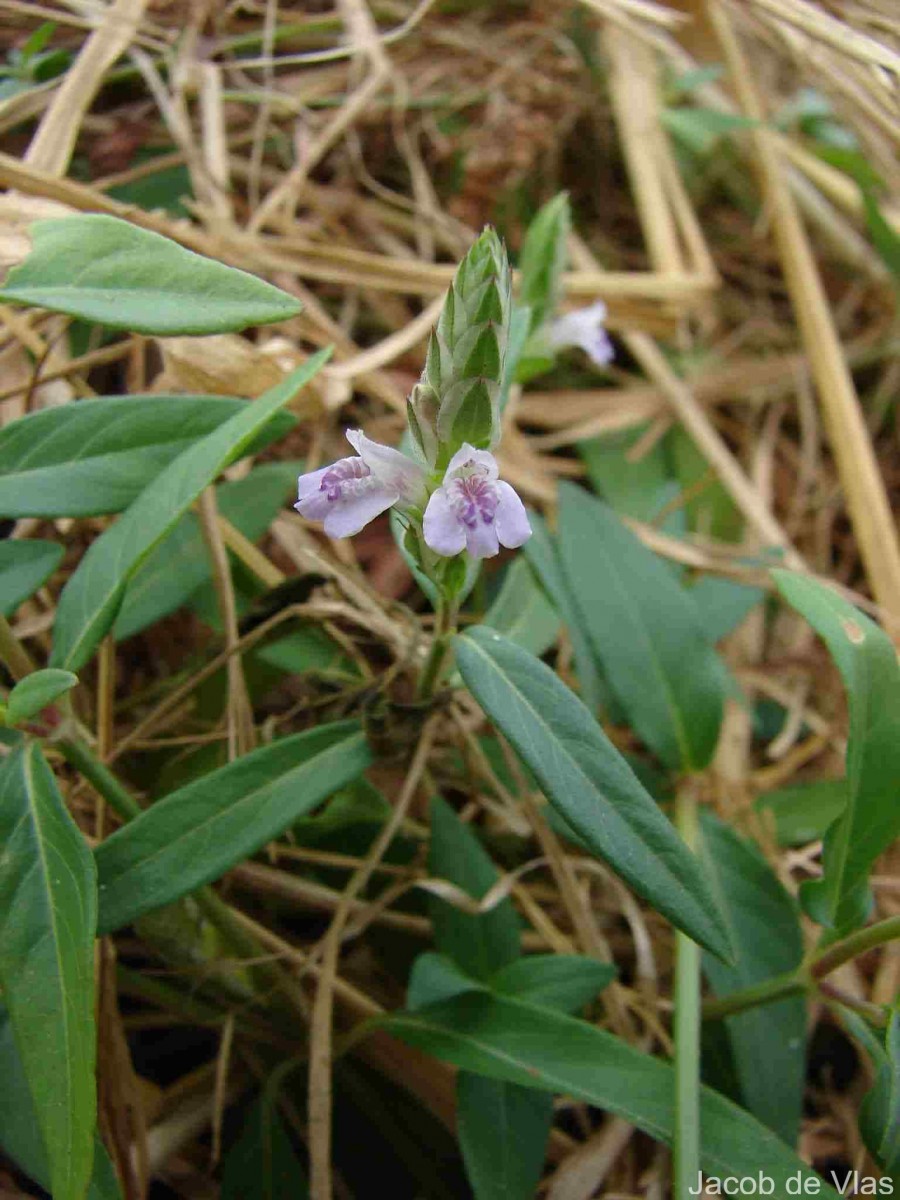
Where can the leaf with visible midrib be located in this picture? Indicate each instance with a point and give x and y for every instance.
(197, 833)
(536, 1047)
(588, 781)
(96, 456)
(20, 1136)
(870, 820)
(92, 597)
(48, 912)
(645, 633)
(102, 269)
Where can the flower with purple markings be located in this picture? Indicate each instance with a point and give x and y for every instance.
(353, 491)
(583, 327)
(473, 509)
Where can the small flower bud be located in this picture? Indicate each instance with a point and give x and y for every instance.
(421, 417)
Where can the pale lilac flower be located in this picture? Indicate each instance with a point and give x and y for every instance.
(583, 327)
(353, 491)
(474, 510)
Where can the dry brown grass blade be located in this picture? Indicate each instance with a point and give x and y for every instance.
(863, 486)
(52, 146)
(319, 1104)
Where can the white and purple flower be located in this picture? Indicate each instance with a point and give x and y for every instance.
(473, 509)
(583, 327)
(353, 491)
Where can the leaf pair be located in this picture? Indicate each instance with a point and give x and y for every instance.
(91, 600)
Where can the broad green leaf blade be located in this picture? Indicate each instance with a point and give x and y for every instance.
(24, 566)
(802, 813)
(589, 782)
(195, 834)
(768, 1044)
(48, 916)
(542, 555)
(20, 1136)
(262, 1164)
(645, 633)
(35, 692)
(522, 612)
(97, 456)
(480, 944)
(722, 604)
(536, 1047)
(563, 981)
(91, 600)
(870, 822)
(180, 564)
(102, 269)
(434, 977)
(502, 1130)
(638, 489)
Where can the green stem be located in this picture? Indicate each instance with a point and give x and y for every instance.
(686, 1026)
(855, 944)
(13, 653)
(440, 644)
(79, 755)
(794, 982)
(789, 984)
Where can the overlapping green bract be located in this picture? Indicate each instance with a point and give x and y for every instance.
(458, 398)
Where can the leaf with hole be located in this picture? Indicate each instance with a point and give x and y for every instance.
(48, 916)
(91, 600)
(102, 269)
(870, 820)
(588, 781)
(195, 834)
(97, 456)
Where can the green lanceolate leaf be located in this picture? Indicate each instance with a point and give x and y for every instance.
(538, 1048)
(195, 834)
(870, 821)
(24, 566)
(802, 813)
(102, 269)
(479, 944)
(97, 456)
(91, 600)
(879, 1114)
(543, 259)
(644, 631)
(522, 612)
(563, 981)
(180, 564)
(543, 556)
(35, 692)
(502, 1129)
(588, 781)
(20, 1136)
(768, 1044)
(48, 915)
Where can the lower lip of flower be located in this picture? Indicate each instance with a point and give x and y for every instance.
(473, 497)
